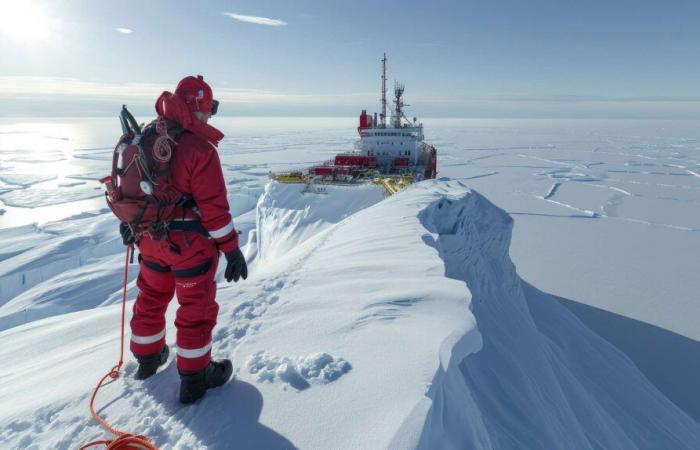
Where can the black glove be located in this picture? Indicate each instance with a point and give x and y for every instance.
(127, 236)
(236, 267)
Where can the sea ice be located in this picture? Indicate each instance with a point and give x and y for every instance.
(25, 179)
(32, 198)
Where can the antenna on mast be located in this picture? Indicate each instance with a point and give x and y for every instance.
(384, 91)
(399, 89)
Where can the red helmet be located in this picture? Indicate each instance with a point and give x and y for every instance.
(197, 94)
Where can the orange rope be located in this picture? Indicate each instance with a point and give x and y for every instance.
(124, 441)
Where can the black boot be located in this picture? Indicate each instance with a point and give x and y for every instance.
(149, 364)
(193, 385)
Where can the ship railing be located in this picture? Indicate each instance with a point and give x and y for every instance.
(291, 177)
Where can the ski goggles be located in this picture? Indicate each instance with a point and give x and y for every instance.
(214, 107)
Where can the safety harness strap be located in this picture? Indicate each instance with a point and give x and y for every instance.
(154, 266)
(193, 271)
(194, 226)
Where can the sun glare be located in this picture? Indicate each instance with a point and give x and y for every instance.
(25, 21)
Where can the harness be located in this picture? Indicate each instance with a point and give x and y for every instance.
(139, 191)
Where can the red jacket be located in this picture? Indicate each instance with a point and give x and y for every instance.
(195, 169)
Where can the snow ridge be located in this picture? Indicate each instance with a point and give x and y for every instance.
(542, 379)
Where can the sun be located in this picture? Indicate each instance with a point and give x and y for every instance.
(24, 20)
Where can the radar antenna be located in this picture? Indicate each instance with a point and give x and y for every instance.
(399, 89)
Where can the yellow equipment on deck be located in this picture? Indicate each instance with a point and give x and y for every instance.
(391, 183)
(291, 177)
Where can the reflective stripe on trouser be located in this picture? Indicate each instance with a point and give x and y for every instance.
(196, 317)
(152, 339)
(190, 275)
(148, 321)
(193, 359)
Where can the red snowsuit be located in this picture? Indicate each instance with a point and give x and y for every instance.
(196, 170)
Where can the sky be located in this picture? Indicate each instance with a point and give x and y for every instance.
(468, 58)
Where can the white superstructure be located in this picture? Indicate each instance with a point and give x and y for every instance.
(390, 143)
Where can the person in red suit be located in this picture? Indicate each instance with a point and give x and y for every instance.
(185, 263)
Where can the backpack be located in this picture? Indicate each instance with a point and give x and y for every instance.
(139, 190)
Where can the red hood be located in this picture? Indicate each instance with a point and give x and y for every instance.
(171, 107)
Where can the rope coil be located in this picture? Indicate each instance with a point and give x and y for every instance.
(124, 441)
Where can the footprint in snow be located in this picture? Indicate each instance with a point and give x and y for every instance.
(299, 372)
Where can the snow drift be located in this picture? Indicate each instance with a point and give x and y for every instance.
(365, 324)
(288, 215)
(58, 267)
(542, 379)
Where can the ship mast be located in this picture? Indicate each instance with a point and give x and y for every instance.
(384, 91)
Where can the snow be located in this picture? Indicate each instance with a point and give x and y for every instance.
(45, 252)
(372, 322)
(536, 355)
(457, 339)
(298, 372)
(287, 216)
(25, 179)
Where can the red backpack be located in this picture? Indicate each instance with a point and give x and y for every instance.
(139, 190)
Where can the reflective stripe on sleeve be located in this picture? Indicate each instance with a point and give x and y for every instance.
(148, 339)
(193, 352)
(221, 232)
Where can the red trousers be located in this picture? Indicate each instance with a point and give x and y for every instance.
(189, 275)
